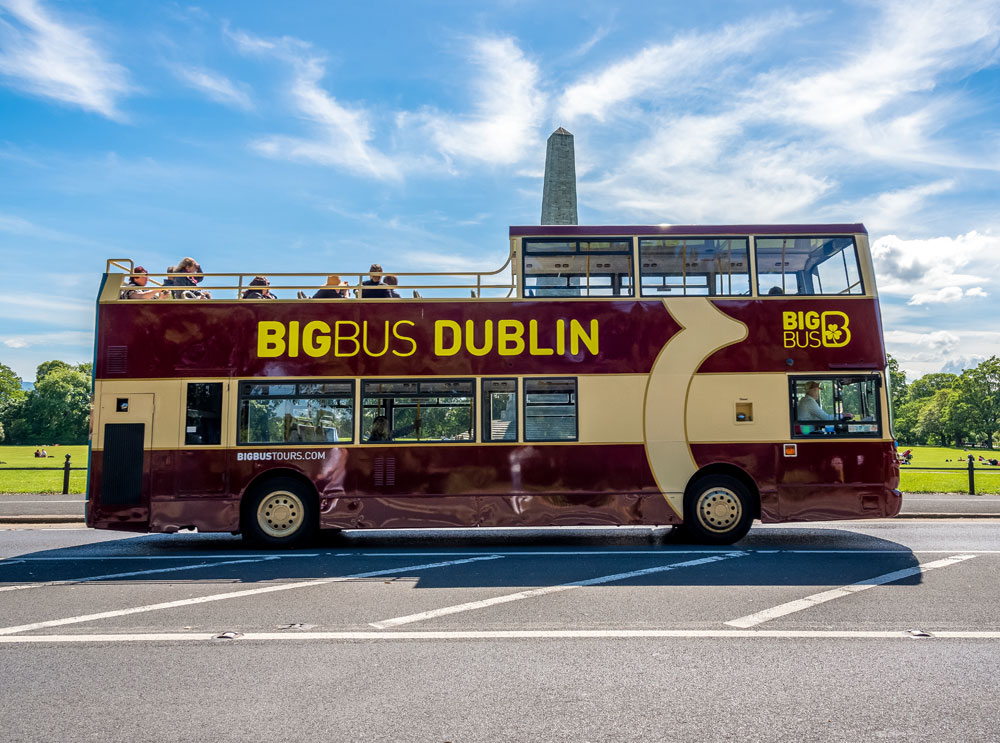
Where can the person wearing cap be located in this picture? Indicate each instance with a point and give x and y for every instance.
(259, 289)
(809, 409)
(375, 279)
(333, 289)
(139, 279)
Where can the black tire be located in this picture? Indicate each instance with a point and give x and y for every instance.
(718, 509)
(279, 513)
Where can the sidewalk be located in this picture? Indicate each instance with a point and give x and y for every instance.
(34, 508)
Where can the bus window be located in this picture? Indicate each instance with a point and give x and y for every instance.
(414, 412)
(827, 407)
(578, 268)
(550, 410)
(499, 410)
(813, 266)
(203, 424)
(314, 412)
(694, 267)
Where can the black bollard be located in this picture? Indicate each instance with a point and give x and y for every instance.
(66, 476)
(972, 476)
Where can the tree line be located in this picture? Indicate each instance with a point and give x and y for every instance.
(56, 411)
(947, 409)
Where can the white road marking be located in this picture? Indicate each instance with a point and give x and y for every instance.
(472, 605)
(131, 574)
(230, 595)
(505, 635)
(752, 620)
(226, 556)
(4, 501)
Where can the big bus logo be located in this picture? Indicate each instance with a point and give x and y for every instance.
(815, 329)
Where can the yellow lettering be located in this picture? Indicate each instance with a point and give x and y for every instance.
(456, 337)
(561, 337)
(293, 338)
(577, 334)
(470, 339)
(412, 342)
(812, 338)
(788, 322)
(510, 338)
(270, 339)
(533, 348)
(812, 321)
(364, 339)
(790, 336)
(316, 346)
(338, 336)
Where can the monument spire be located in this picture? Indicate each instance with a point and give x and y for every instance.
(559, 189)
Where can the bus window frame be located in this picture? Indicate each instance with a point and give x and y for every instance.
(240, 397)
(524, 408)
(755, 246)
(749, 273)
(362, 439)
(187, 411)
(528, 242)
(486, 410)
(835, 434)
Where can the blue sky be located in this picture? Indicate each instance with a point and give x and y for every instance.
(264, 136)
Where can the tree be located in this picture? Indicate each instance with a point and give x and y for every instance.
(980, 392)
(57, 410)
(47, 367)
(928, 384)
(898, 390)
(11, 397)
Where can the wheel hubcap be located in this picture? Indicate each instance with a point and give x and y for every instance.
(280, 514)
(719, 509)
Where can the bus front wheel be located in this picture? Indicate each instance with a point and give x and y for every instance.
(279, 513)
(718, 509)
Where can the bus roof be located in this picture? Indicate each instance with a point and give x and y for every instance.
(687, 229)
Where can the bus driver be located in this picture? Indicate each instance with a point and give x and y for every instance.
(809, 409)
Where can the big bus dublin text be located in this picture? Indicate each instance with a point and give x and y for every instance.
(700, 377)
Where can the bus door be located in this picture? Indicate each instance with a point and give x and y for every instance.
(126, 438)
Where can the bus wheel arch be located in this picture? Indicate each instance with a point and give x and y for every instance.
(279, 509)
(720, 503)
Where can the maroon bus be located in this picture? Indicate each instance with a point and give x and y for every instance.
(697, 376)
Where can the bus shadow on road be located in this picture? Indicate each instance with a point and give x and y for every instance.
(488, 558)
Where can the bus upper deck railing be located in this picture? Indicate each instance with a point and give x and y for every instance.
(479, 284)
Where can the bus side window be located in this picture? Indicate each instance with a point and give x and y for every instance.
(499, 410)
(203, 424)
(550, 410)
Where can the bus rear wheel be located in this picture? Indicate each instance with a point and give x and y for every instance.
(279, 513)
(718, 509)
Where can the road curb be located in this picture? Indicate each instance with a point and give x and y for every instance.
(42, 520)
(947, 516)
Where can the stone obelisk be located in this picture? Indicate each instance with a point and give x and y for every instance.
(559, 190)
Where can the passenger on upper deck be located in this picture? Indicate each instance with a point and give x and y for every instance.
(374, 279)
(180, 275)
(140, 282)
(391, 281)
(333, 289)
(262, 292)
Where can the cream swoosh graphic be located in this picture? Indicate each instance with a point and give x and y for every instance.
(704, 330)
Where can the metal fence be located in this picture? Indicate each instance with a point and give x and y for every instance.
(65, 469)
(971, 469)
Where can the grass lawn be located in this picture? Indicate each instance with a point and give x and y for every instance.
(42, 481)
(917, 481)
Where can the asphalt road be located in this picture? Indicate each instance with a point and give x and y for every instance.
(65, 507)
(851, 631)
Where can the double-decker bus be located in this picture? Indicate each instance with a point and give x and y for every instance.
(695, 376)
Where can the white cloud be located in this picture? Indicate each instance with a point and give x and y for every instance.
(44, 57)
(216, 86)
(343, 134)
(894, 210)
(508, 109)
(659, 68)
(935, 270)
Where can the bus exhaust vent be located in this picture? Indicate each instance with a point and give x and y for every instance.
(117, 359)
(121, 469)
(385, 471)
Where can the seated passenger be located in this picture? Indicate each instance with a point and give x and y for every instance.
(187, 276)
(380, 429)
(261, 292)
(391, 282)
(374, 279)
(333, 289)
(139, 279)
(775, 290)
(809, 409)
